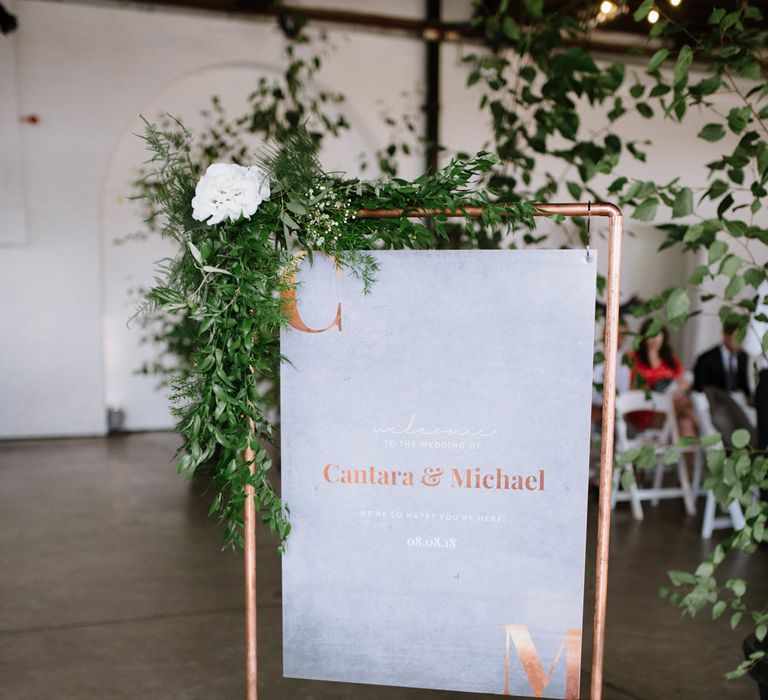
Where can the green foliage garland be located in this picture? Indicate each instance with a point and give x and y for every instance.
(229, 279)
(275, 108)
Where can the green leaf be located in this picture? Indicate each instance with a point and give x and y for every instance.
(730, 266)
(709, 440)
(642, 12)
(716, 251)
(699, 275)
(678, 304)
(738, 118)
(693, 234)
(683, 64)
(716, 189)
(683, 205)
(647, 459)
(738, 587)
(734, 287)
(645, 109)
(195, 252)
(297, 208)
(510, 28)
(716, 16)
(760, 632)
(285, 217)
(535, 7)
(754, 276)
(681, 578)
(729, 20)
(725, 204)
(762, 161)
(577, 59)
(718, 555)
(208, 268)
(740, 438)
(707, 86)
(712, 132)
(574, 189)
(737, 228)
(646, 210)
(657, 59)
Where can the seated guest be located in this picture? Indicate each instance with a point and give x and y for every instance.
(724, 366)
(656, 367)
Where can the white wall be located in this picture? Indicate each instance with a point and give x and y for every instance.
(13, 227)
(88, 70)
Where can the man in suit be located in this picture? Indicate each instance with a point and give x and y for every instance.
(724, 366)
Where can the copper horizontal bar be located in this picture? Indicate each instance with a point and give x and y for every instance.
(576, 209)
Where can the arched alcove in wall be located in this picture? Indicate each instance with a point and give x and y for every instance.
(130, 251)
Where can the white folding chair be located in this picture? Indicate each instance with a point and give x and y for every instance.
(660, 438)
(733, 515)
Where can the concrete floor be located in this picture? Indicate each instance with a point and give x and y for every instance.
(113, 585)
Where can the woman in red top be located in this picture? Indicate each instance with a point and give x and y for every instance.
(655, 364)
(656, 367)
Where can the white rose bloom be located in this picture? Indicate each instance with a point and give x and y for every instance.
(229, 191)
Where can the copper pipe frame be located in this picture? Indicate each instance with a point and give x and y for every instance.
(615, 231)
(249, 545)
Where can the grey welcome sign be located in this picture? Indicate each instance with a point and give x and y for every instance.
(435, 440)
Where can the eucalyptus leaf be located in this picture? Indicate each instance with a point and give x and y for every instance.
(712, 132)
(646, 210)
(657, 59)
(678, 304)
(683, 205)
(195, 252)
(682, 65)
(740, 438)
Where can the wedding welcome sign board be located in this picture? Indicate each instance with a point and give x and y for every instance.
(435, 445)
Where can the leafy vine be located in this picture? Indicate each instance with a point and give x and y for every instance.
(229, 278)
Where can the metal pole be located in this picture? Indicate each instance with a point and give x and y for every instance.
(432, 84)
(606, 449)
(249, 534)
(615, 230)
(613, 213)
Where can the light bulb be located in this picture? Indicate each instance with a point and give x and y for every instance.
(675, 3)
(653, 16)
(606, 7)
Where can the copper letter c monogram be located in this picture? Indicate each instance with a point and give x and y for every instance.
(291, 309)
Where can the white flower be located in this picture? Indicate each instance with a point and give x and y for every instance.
(229, 191)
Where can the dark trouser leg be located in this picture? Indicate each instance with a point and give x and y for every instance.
(761, 406)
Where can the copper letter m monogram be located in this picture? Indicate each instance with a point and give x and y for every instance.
(534, 670)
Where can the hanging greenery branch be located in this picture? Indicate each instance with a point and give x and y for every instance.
(275, 107)
(238, 229)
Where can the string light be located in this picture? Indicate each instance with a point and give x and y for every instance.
(604, 11)
(653, 16)
(675, 3)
